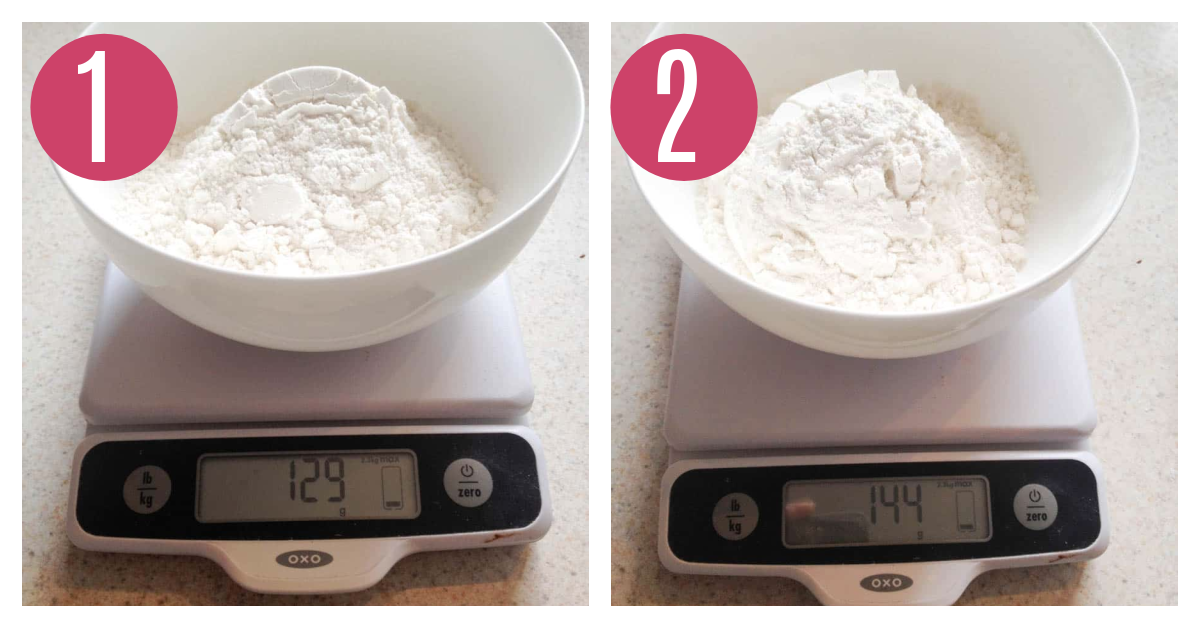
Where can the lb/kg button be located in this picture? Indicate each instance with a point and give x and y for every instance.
(147, 489)
(735, 516)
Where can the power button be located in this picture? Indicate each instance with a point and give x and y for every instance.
(1035, 506)
(468, 482)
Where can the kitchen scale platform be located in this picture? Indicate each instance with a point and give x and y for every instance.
(877, 481)
(305, 472)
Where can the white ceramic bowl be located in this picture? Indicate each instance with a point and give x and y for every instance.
(1057, 88)
(509, 94)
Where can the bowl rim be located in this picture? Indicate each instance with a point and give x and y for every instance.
(568, 157)
(976, 307)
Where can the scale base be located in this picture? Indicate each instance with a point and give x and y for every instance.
(153, 377)
(741, 397)
(351, 557)
(149, 367)
(928, 575)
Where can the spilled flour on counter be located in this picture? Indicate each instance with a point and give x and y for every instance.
(314, 171)
(874, 202)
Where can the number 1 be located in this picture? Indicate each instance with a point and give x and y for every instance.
(95, 65)
(665, 152)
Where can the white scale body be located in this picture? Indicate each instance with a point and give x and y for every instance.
(425, 438)
(763, 431)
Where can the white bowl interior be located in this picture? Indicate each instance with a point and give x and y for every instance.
(1056, 88)
(504, 92)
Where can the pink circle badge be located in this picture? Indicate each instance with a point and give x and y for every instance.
(103, 107)
(684, 107)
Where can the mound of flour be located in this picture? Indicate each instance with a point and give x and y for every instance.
(314, 171)
(874, 202)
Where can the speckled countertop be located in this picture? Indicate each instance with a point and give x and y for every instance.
(61, 286)
(1127, 297)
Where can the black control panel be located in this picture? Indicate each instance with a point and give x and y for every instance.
(148, 488)
(736, 515)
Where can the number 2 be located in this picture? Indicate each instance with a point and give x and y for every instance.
(665, 152)
(304, 497)
(95, 65)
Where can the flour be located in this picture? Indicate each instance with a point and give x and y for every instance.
(314, 171)
(874, 202)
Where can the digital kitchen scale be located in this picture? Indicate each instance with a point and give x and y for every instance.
(877, 481)
(305, 472)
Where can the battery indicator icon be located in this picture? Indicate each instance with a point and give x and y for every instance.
(393, 488)
(966, 510)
